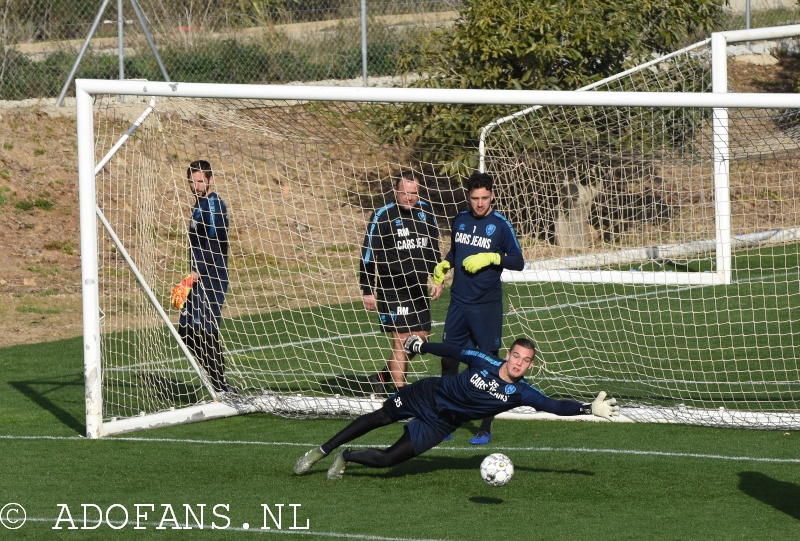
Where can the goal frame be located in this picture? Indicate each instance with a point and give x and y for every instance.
(573, 269)
(91, 215)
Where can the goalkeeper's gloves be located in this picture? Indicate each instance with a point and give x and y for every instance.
(413, 345)
(602, 407)
(181, 292)
(440, 271)
(476, 262)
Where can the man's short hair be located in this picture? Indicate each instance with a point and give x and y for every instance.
(199, 165)
(408, 175)
(525, 343)
(479, 180)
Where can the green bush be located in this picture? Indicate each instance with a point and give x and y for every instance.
(24, 204)
(530, 45)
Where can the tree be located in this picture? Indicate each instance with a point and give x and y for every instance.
(529, 44)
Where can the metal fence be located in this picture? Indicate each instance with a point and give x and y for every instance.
(234, 41)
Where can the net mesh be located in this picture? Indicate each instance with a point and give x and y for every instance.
(632, 189)
(301, 179)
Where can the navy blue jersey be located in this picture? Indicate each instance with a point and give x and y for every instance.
(208, 236)
(478, 391)
(403, 245)
(471, 235)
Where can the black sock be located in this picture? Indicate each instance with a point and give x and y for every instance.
(401, 451)
(386, 378)
(486, 425)
(359, 427)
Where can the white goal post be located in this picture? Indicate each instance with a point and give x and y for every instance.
(709, 340)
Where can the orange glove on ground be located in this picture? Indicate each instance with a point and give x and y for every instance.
(181, 292)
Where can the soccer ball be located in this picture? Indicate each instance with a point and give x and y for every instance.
(497, 469)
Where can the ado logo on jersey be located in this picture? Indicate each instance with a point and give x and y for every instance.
(491, 228)
(510, 389)
(421, 216)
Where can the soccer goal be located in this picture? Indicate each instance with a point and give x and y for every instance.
(658, 222)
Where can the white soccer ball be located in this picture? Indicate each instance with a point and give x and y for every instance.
(497, 469)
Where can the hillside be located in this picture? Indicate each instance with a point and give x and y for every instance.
(40, 243)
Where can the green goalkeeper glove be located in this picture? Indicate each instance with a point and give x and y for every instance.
(413, 345)
(476, 262)
(440, 271)
(603, 407)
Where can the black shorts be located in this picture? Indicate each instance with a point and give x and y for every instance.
(404, 310)
(427, 427)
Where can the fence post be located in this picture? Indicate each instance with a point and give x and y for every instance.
(364, 41)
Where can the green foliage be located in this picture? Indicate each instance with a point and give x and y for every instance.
(41, 201)
(64, 246)
(25, 309)
(213, 61)
(23, 204)
(530, 45)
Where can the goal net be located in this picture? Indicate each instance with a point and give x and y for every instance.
(600, 196)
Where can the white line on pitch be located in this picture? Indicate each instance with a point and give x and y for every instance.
(259, 530)
(439, 448)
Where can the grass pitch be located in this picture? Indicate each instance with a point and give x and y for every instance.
(572, 480)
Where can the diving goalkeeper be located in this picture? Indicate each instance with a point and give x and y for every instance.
(200, 295)
(438, 405)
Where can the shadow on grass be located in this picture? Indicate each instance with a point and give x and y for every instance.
(427, 464)
(781, 495)
(485, 500)
(40, 391)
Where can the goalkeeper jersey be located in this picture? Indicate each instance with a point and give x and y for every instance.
(472, 235)
(208, 237)
(401, 247)
(478, 391)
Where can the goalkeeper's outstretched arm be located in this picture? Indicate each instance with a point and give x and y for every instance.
(414, 344)
(606, 408)
(602, 406)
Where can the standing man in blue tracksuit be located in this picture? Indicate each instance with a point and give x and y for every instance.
(200, 295)
(483, 243)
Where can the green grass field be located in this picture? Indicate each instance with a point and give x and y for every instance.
(572, 481)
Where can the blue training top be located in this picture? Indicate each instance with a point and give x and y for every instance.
(471, 235)
(479, 392)
(208, 236)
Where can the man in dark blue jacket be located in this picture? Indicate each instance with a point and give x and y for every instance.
(438, 405)
(200, 295)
